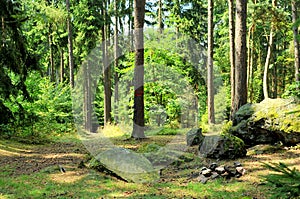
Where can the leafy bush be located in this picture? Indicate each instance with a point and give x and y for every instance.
(286, 181)
(292, 90)
(48, 111)
(167, 131)
(147, 148)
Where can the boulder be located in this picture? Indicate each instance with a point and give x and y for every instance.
(224, 146)
(269, 122)
(194, 137)
(128, 165)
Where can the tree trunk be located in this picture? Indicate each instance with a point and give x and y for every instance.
(232, 52)
(267, 63)
(3, 31)
(87, 98)
(62, 65)
(70, 45)
(106, 72)
(240, 97)
(251, 76)
(268, 58)
(116, 55)
(130, 23)
(51, 57)
(160, 21)
(138, 115)
(296, 42)
(210, 77)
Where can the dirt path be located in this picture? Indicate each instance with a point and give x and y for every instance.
(27, 159)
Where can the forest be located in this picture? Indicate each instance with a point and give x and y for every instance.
(125, 93)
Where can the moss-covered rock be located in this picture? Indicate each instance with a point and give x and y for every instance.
(128, 165)
(268, 122)
(224, 146)
(194, 137)
(161, 156)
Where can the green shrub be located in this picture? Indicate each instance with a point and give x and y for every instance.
(48, 112)
(148, 148)
(292, 90)
(167, 131)
(286, 181)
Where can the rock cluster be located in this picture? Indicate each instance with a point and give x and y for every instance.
(214, 171)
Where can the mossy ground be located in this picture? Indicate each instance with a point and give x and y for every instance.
(31, 171)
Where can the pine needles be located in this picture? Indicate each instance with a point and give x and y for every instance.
(286, 181)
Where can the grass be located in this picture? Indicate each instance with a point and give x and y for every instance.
(95, 185)
(19, 180)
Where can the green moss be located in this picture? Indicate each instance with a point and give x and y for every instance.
(279, 114)
(149, 147)
(225, 133)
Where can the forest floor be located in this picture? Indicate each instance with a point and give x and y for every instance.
(32, 171)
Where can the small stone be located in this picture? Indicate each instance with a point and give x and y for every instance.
(220, 170)
(62, 169)
(237, 164)
(203, 168)
(230, 171)
(213, 166)
(206, 172)
(214, 175)
(194, 175)
(202, 179)
(241, 170)
(238, 175)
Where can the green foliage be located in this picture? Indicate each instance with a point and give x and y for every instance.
(172, 84)
(148, 148)
(292, 90)
(204, 122)
(48, 114)
(226, 127)
(286, 181)
(167, 131)
(16, 61)
(222, 104)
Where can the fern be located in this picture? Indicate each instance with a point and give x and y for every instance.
(286, 181)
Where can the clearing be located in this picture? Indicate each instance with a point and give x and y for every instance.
(32, 171)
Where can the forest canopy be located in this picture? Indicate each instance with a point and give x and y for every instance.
(44, 44)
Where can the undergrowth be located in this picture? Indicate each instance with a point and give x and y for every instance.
(286, 181)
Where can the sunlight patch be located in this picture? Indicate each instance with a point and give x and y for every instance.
(62, 155)
(68, 177)
(8, 153)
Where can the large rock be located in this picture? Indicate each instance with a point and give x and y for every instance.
(268, 122)
(194, 137)
(130, 166)
(224, 146)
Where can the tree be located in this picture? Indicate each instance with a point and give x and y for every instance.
(70, 45)
(210, 78)
(160, 17)
(138, 115)
(240, 97)
(296, 42)
(268, 58)
(16, 62)
(106, 67)
(232, 51)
